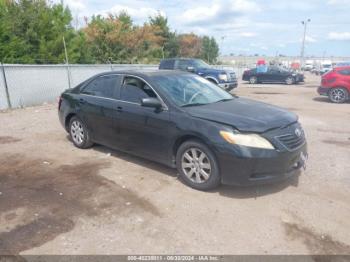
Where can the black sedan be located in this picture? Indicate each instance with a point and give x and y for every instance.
(272, 75)
(184, 121)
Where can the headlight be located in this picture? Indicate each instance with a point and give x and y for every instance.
(250, 140)
(223, 77)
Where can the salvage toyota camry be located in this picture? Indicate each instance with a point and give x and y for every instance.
(184, 121)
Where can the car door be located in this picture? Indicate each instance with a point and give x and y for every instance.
(273, 75)
(144, 131)
(345, 76)
(98, 107)
(184, 65)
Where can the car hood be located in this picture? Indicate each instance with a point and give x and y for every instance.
(244, 114)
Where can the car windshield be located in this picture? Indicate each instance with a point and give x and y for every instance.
(200, 64)
(190, 90)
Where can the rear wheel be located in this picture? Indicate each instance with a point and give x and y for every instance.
(338, 95)
(79, 133)
(253, 80)
(197, 165)
(290, 80)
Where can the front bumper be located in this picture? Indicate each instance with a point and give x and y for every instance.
(323, 91)
(228, 86)
(246, 167)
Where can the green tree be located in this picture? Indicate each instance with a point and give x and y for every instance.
(33, 31)
(210, 49)
(170, 44)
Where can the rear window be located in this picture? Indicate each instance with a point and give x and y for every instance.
(167, 64)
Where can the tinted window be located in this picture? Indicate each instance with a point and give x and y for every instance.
(183, 64)
(345, 72)
(167, 64)
(103, 86)
(135, 89)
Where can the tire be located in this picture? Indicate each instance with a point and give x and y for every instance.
(192, 159)
(79, 133)
(290, 80)
(253, 80)
(338, 95)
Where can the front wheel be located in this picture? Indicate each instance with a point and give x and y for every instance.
(338, 95)
(253, 80)
(197, 166)
(79, 133)
(290, 80)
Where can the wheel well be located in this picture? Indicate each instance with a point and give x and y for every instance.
(67, 120)
(183, 139)
(211, 79)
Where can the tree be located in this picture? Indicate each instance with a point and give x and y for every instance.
(190, 45)
(115, 39)
(32, 32)
(210, 49)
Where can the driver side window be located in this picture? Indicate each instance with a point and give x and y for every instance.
(183, 64)
(134, 90)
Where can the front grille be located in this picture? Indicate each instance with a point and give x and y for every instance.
(292, 141)
(232, 76)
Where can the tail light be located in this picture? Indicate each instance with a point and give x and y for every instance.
(59, 102)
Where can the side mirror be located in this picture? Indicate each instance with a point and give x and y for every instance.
(151, 102)
(190, 69)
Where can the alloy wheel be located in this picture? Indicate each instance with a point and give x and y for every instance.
(196, 165)
(338, 95)
(253, 80)
(289, 81)
(77, 132)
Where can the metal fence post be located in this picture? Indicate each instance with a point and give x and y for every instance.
(6, 86)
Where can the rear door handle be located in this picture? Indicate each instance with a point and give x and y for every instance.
(119, 109)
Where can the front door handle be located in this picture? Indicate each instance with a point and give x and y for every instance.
(119, 109)
(82, 101)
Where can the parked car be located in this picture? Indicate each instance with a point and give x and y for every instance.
(224, 78)
(309, 65)
(336, 84)
(341, 64)
(184, 121)
(326, 66)
(273, 74)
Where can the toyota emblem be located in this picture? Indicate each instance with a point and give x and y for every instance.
(298, 132)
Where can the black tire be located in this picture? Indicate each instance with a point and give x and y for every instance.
(85, 138)
(338, 95)
(253, 80)
(214, 179)
(290, 80)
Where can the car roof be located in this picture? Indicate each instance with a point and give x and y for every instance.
(180, 58)
(145, 72)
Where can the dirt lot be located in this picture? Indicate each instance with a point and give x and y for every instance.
(57, 199)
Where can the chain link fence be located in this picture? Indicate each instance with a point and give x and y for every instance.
(30, 85)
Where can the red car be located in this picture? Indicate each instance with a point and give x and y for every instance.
(336, 84)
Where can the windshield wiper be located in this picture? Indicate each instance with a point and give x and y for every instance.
(193, 104)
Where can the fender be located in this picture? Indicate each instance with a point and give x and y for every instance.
(212, 78)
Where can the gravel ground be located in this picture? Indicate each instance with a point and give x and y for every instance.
(57, 199)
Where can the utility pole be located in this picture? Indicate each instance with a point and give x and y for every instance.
(67, 63)
(222, 44)
(304, 23)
